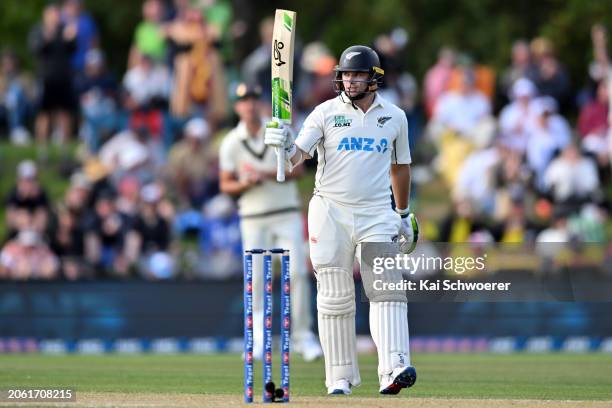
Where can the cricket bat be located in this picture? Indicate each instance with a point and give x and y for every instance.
(283, 39)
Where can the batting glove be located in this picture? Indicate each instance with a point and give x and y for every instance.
(408, 232)
(280, 136)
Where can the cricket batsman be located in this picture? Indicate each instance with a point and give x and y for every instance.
(362, 145)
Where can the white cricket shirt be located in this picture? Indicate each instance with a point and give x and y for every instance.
(240, 154)
(356, 150)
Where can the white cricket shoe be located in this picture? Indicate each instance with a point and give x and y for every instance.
(340, 387)
(401, 377)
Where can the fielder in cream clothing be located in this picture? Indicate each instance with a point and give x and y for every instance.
(270, 216)
(362, 147)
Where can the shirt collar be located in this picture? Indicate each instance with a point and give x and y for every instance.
(377, 102)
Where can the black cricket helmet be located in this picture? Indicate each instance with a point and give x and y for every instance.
(359, 58)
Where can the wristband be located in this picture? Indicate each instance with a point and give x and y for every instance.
(403, 212)
(291, 150)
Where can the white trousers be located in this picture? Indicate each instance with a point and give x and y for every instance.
(336, 232)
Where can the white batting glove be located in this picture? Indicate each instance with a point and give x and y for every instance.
(408, 232)
(280, 136)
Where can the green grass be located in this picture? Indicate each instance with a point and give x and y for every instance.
(513, 376)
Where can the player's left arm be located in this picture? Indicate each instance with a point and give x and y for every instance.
(400, 165)
(400, 183)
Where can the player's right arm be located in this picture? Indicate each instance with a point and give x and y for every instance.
(304, 146)
(229, 181)
(231, 185)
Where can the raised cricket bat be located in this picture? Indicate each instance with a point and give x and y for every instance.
(283, 39)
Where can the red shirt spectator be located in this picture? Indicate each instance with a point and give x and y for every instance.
(593, 119)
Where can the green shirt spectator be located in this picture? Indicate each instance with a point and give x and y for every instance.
(149, 40)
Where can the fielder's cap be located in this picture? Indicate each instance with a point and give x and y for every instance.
(245, 90)
(27, 170)
(197, 128)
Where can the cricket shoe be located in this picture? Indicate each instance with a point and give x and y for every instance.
(340, 387)
(401, 377)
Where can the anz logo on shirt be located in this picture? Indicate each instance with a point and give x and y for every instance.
(365, 144)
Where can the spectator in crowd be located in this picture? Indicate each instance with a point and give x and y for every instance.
(589, 224)
(476, 181)
(67, 242)
(53, 44)
(86, 31)
(514, 118)
(98, 96)
(549, 133)
(572, 178)
(256, 66)
(512, 181)
(132, 152)
(128, 197)
(399, 87)
(598, 68)
(521, 67)
(317, 64)
(219, 239)
(222, 25)
(105, 237)
(28, 257)
(555, 238)
(462, 111)
(407, 88)
(149, 37)
(79, 199)
(594, 127)
(197, 67)
(27, 205)
(14, 100)
(147, 85)
(389, 48)
(191, 167)
(551, 76)
(461, 123)
(461, 222)
(148, 242)
(437, 79)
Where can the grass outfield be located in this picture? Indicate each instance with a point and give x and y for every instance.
(115, 379)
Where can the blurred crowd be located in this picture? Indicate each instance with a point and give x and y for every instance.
(518, 172)
(143, 197)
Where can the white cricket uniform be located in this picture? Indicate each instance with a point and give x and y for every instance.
(351, 204)
(270, 217)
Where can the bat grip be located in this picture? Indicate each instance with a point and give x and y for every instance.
(280, 165)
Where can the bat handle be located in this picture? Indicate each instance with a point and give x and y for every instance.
(280, 161)
(280, 165)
